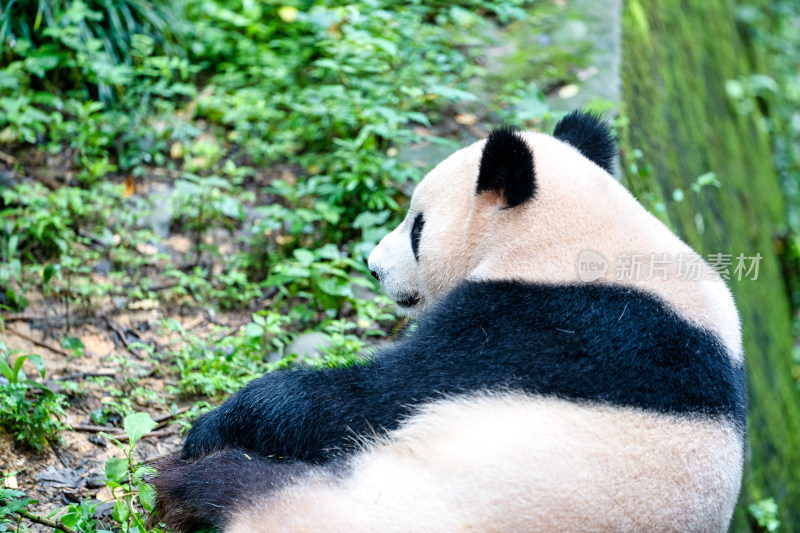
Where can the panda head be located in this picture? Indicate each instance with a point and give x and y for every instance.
(531, 207)
(483, 204)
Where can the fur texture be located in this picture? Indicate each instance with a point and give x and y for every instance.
(416, 234)
(202, 493)
(590, 135)
(506, 168)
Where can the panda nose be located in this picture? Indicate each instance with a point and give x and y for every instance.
(375, 275)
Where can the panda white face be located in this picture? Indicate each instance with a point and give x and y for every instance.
(399, 272)
(427, 253)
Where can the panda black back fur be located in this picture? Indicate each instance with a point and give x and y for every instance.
(526, 399)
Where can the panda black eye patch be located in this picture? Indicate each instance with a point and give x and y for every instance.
(416, 234)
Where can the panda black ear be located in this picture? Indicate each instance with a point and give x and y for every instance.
(590, 135)
(507, 167)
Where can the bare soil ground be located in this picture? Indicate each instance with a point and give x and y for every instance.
(72, 469)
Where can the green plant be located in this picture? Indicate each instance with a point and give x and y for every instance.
(29, 411)
(222, 365)
(126, 480)
(71, 43)
(13, 297)
(73, 344)
(322, 277)
(33, 224)
(765, 514)
(13, 501)
(202, 203)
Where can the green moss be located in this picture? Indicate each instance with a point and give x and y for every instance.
(677, 57)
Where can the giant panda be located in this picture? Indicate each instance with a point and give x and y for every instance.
(533, 394)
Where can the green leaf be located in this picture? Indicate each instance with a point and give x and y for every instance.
(121, 511)
(7, 371)
(147, 495)
(49, 272)
(38, 362)
(253, 330)
(15, 505)
(419, 117)
(329, 251)
(335, 288)
(15, 377)
(137, 425)
(709, 178)
(70, 519)
(306, 257)
(451, 93)
(706, 180)
(12, 246)
(38, 66)
(368, 219)
(72, 343)
(116, 469)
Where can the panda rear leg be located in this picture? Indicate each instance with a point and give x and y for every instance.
(200, 494)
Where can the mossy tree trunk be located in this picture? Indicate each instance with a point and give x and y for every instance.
(677, 56)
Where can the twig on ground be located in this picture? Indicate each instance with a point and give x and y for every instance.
(168, 416)
(153, 288)
(196, 323)
(7, 158)
(39, 343)
(153, 434)
(163, 286)
(92, 428)
(161, 421)
(25, 318)
(81, 375)
(61, 458)
(44, 521)
(122, 337)
(97, 242)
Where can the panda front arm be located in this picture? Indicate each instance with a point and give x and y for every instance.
(301, 414)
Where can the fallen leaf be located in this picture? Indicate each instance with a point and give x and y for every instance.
(146, 249)
(466, 119)
(176, 150)
(568, 91)
(130, 187)
(143, 305)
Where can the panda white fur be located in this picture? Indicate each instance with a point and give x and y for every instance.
(526, 399)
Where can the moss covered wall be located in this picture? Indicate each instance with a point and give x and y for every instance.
(677, 56)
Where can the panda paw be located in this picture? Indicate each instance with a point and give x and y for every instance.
(204, 438)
